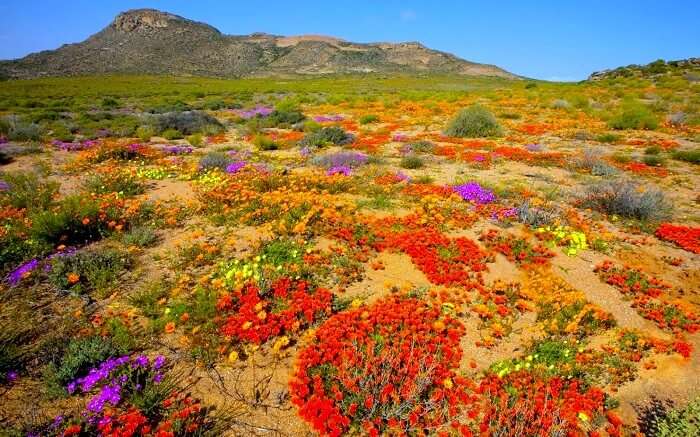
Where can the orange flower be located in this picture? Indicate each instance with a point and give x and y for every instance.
(73, 278)
(169, 327)
(86, 221)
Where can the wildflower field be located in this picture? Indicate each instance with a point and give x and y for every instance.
(356, 255)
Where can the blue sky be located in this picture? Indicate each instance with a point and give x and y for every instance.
(554, 40)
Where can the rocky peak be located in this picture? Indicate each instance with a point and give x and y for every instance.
(149, 20)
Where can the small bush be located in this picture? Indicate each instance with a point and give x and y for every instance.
(653, 160)
(473, 122)
(195, 140)
(652, 150)
(681, 422)
(327, 135)
(187, 122)
(634, 116)
(141, 236)
(411, 162)
(369, 118)
(21, 131)
(560, 104)
(692, 156)
(535, 217)
(88, 270)
(80, 355)
(145, 132)
(603, 169)
(264, 143)
(607, 138)
(75, 220)
(422, 147)
(118, 182)
(24, 190)
(171, 134)
(627, 199)
(214, 160)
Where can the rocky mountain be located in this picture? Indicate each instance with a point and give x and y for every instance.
(147, 41)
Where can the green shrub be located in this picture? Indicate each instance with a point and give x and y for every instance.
(607, 138)
(653, 160)
(264, 143)
(411, 162)
(145, 132)
(692, 156)
(627, 199)
(141, 236)
(187, 122)
(473, 122)
(195, 140)
(422, 147)
(282, 117)
(681, 422)
(117, 182)
(325, 136)
(652, 150)
(26, 191)
(171, 134)
(75, 220)
(369, 118)
(21, 131)
(109, 103)
(96, 269)
(214, 160)
(634, 116)
(79, 357)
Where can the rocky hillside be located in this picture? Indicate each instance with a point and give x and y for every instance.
(688, 68)
(148, 41)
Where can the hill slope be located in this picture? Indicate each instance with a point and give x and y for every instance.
(147, 41)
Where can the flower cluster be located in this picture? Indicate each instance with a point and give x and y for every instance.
(473, 192)
(685, 237)
(650, 297)
(517, 250)
(254, 317)
(389, 367)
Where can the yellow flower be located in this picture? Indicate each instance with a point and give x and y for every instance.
(246, 325)
(233, 356)
(356, 303)
(447, 383)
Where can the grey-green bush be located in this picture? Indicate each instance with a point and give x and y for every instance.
(473, 122)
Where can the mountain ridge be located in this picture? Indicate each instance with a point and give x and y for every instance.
(149, 41)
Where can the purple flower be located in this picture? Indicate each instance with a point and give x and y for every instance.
(342, 159)
(70, 388)
(305, 152)
(342, 170)
(240, 155)
(234, 167)
(140, 361)
(177, 150)
(473, 192)
(258, 111)
(108, 394)
(4, 186)
(534, 147)
(403, 176)
(324, 118)
(158, 378)
(22, 272)
(11, 376)
(3, 140)
(158, 362)
(57, 421)
(400, 137)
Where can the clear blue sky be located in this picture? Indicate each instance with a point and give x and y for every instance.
(555, 40)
